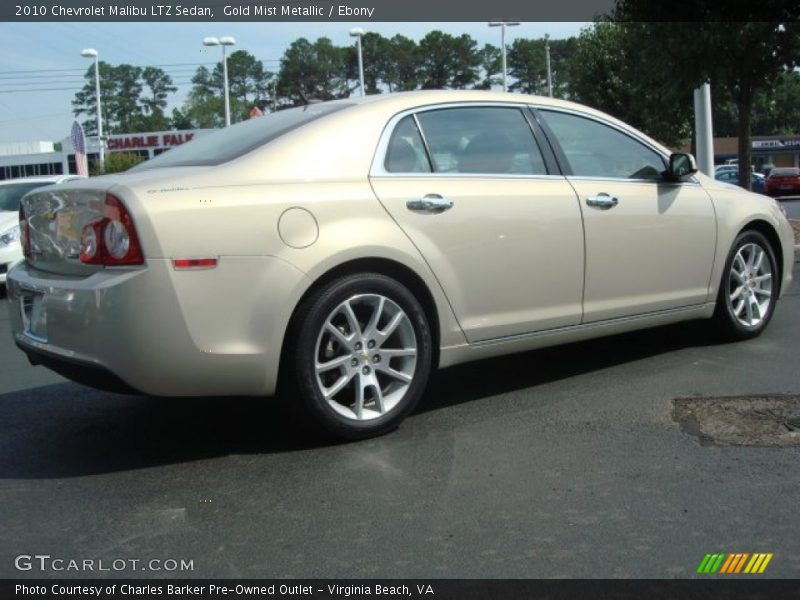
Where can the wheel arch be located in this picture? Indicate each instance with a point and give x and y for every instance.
(384, 266)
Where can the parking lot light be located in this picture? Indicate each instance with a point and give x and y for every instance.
(223, 41)
(92, 53)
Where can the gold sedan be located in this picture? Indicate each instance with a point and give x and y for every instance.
(339, 252)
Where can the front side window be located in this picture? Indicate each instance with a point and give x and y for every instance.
(481, 140)
(597, 150)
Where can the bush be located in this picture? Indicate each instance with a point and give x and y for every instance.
(116, 162)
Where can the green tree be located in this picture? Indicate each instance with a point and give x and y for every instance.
(778, 112)
(376, 51)
(126, 107)
(248, 81)
(527, 65)
(159, 86)
(85, 101)
(491, 67)
(740, 59)
(249, 84)
(204, 110)
(606, 72)
(318, 71)
(401, 64)
(448, 61)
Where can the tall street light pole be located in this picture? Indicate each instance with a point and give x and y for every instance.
(358, 32)
(92, 53)
(547, 60)
(223, 41)
(502, 25)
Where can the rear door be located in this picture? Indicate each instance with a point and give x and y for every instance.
(470, 186)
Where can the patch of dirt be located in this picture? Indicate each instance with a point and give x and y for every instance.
(767, 421)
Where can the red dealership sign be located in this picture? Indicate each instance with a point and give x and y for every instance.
(135, 141)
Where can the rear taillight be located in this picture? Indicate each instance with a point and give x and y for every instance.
(91, 242)
(111, 240)
(24, 234)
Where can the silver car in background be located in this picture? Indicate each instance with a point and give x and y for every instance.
(340, 252)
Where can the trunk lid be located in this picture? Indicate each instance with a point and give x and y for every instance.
(56, 215)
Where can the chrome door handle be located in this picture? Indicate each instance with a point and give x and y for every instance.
(602, 200)
(431, 203)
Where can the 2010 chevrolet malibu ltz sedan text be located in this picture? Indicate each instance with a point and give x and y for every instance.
(342, 250)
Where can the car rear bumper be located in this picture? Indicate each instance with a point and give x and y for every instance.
(77, 370)
(160, 331)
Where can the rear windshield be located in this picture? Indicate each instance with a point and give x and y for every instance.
(237, 140)
(11, 193)
(787, 171)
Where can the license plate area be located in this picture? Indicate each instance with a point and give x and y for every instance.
(34, 316)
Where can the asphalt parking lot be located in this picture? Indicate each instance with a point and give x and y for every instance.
(563, 462)
(792, 207)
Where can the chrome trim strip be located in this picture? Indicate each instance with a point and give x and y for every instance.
(585, 326)
(425, 145)
(468, 176)
(621, 180)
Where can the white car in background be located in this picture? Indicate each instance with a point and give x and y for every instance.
(11, 191)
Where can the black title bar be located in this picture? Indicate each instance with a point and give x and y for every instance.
(450, 589)
(304, 10)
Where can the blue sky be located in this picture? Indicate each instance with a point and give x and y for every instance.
(42, 48)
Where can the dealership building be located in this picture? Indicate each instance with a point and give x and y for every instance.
(779, 150)
(29, 159)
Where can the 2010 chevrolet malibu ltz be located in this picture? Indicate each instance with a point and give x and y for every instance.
(342, 250)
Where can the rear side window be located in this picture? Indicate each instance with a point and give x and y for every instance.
(237, 140)
(481, 140)
(597, 150)
(406, 151)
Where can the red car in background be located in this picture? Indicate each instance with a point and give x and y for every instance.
(783, 181)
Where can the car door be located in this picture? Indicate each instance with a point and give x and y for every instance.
(470, 187)
(649, 242)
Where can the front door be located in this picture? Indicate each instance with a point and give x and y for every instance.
(649, 243)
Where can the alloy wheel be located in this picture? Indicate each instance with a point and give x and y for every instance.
(365, 356)
(750, 286)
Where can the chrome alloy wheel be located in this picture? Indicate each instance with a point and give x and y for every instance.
(750, 285)
(365, 356)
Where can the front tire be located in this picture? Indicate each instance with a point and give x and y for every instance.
(749, 288)
(360, 356)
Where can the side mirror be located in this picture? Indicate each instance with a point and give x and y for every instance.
(681, 165)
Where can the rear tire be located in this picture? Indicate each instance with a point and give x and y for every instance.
(359, 356)
(749, 288)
